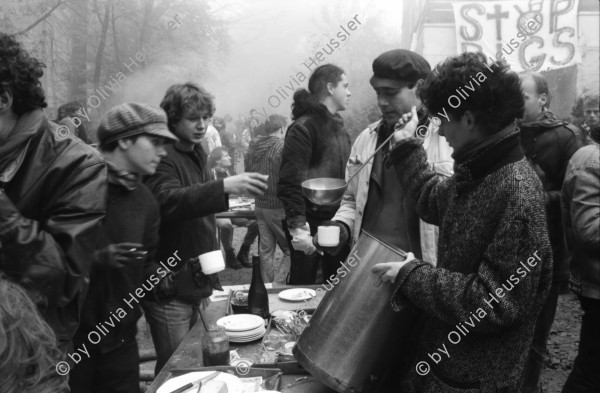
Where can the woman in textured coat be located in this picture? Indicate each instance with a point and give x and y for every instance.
(494, 257)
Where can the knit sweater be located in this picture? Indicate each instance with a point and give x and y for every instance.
(264, 156)
(494, 267)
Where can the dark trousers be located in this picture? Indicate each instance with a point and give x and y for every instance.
(226, 225)
(585, 376)
(117, 371)
(303, 268)
(534, 365)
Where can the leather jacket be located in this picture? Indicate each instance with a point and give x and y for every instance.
(315, 146)
(50, 213)
(549, 144)
(581, 219)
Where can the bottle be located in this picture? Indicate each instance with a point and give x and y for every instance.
(258, 298)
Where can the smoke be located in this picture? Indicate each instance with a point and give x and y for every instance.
(272, 46)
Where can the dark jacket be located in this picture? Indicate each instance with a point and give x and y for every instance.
(581, 218)
(492, 221)
(549, 144)
(315, 146)
(132, 216)
(188, 198)
(49, 222)
(264, 156)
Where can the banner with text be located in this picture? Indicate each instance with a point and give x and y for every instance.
(536, 35)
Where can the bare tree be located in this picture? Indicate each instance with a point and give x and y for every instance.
(102, 44)
(77, 65)
(41, 18)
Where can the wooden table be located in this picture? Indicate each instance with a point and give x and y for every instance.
(249, 214)
(189, 352)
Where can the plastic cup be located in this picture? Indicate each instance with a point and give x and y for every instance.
(212, 262)
(329, 236)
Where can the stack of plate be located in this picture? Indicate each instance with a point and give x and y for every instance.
(243, 328)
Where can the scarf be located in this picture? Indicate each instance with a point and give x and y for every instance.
(469, 152)
(122, 178)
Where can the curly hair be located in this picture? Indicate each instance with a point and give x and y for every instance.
(187, 96)
(307, 101)
(28, 351)
(20, 76)
(467, 82)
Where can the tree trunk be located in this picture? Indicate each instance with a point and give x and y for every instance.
(77, 65)
(100, 53)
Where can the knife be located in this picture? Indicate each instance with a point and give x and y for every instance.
(199, 382)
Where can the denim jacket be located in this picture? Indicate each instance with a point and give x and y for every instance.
(355, 198)
(580, 204)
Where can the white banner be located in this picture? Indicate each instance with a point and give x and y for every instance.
(536, 35)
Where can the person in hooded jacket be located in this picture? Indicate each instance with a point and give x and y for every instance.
(316, 145)
(264, 156)
(548, 144)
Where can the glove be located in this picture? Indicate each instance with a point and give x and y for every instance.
(302, 240)
(344, 236)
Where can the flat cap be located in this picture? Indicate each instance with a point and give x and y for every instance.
(131, 119)
(399, 65)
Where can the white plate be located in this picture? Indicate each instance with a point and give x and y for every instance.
(234, 385)
(258, 330)
(297, 294)
(241, 322)
(247, 336)
(246, 339)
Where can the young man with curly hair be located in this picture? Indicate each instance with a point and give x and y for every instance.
(188, 199)
(52, 196)
(494, 265)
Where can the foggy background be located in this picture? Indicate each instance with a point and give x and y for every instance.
(242, 51)
(105, 52)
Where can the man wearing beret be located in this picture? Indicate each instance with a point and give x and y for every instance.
(131, 139)
(375, 201)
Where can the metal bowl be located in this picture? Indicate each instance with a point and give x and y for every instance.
(324, 190)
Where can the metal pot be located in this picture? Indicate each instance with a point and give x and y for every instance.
(324, 190)
(354, 336)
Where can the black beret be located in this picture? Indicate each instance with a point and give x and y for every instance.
(400, 65)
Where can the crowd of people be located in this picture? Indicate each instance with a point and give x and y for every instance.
(496, 202)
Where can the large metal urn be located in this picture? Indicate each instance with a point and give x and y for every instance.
(354, 337)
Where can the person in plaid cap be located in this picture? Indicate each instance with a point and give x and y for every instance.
(131, 138)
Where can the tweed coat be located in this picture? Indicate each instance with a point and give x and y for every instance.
(494, 268)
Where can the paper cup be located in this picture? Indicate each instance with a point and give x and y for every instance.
(329, 236)
(212, 262)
